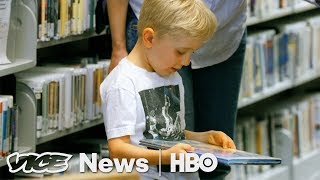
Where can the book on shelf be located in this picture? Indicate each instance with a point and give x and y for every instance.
(299, 116)
(8, 125)
(224, 156)
(263, 8)
(280, 54)
(61, 18)
(66, 96)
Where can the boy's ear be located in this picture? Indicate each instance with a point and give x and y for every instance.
(148, 35)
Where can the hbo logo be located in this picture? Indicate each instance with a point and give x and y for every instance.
(191, 162)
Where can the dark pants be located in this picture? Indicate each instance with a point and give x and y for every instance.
(216, 90)
(211, 98)
(131, 30)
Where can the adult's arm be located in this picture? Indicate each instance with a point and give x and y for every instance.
(117, 12)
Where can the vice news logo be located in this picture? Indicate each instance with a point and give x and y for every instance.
(53, 162)
(48, 162)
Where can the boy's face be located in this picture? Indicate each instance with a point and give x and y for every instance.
(167, 54)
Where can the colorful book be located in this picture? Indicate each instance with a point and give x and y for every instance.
(224, 156)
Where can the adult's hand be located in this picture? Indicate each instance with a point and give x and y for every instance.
(116, 55)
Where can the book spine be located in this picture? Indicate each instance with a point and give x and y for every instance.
(38, 96)
(14, 143)
(1, 122)
(63, 17)
(4, 126)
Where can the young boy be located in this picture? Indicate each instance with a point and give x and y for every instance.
(143, 97)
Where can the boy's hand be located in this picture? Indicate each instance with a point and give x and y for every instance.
(178, 148)
(219, 138)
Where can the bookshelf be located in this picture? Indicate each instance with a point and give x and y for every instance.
(299, 8)
(85, 35)
(265, 94)
(278, 14)
(290, 84)
(21, 51)
(16, 66)
(302, 7)
(72, 35)
(22, 34)
(306, 166)
(281, 172)
(63, 133)
(3, 162)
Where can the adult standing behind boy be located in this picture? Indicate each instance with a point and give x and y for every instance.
(143, 97)
(212, 81)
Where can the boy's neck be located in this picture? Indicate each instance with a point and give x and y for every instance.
(138, 57)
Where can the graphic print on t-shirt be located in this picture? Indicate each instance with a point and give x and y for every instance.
(162, 110)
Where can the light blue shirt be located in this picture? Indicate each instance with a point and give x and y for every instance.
(231, 16)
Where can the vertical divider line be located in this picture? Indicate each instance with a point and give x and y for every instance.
(160, 154)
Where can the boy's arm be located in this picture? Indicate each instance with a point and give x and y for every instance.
(122, 148)
(117, 12)
(218, 138)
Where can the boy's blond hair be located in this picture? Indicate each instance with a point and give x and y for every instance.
(178, 18)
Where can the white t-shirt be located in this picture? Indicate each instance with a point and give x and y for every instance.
(143, 105)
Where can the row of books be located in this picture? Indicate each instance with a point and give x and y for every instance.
(8, 125)
(289, 56)
(299, 117)
(263, 8)
(61, 18)
(65, 96)
(302, 120)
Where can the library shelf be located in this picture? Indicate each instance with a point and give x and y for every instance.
(306, 78)
(16, 66)
(71, 38)
(3, 161)
(264, 94)
(268, 92)
(276, 14)
(302, 7)
(65, 132)
(307, 166)
(298, 8)
(280, 172)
